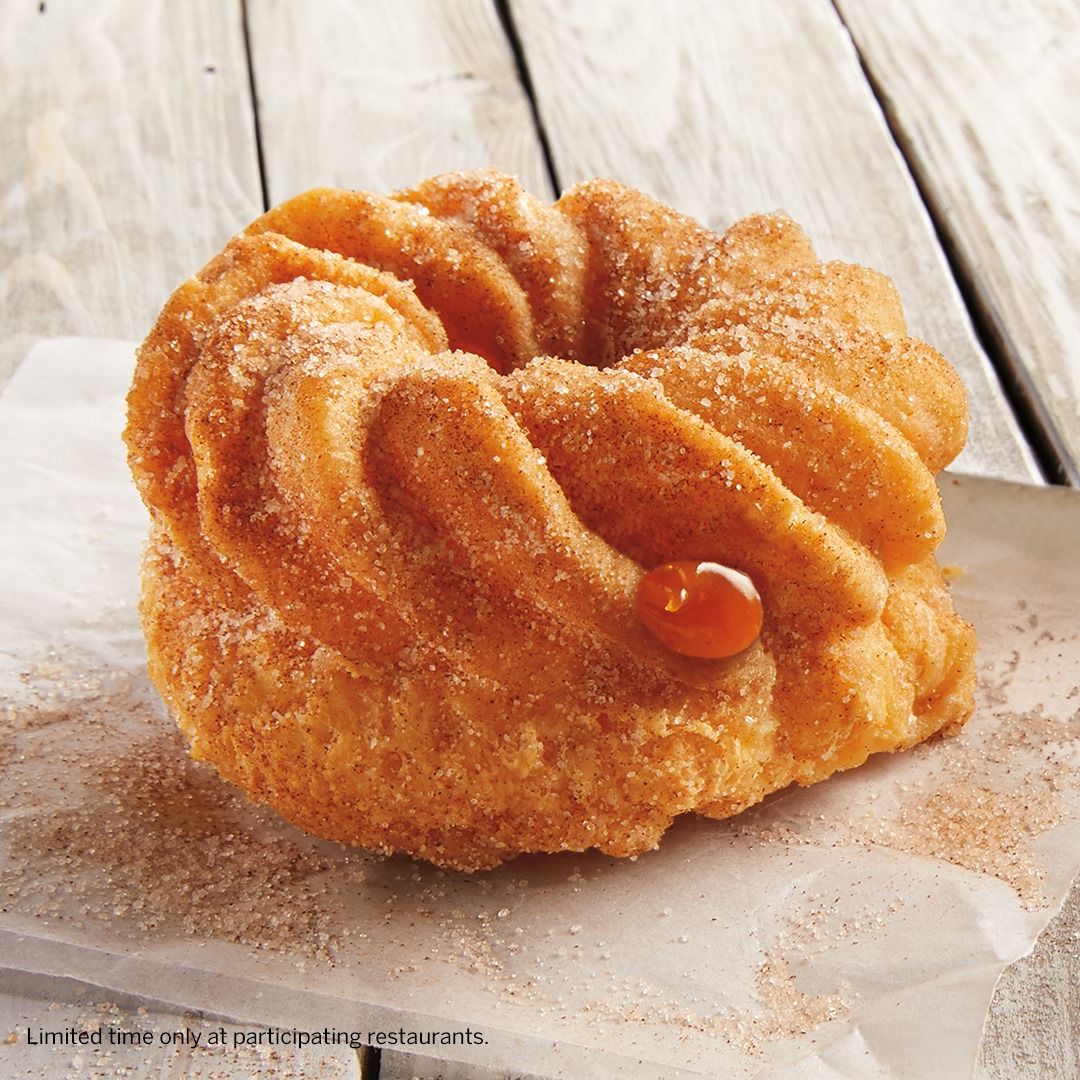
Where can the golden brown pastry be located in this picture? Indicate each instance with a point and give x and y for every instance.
(408, 459)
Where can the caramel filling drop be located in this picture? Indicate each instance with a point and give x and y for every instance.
(700, 608)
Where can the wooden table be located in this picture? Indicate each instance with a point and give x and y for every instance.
(934, 141)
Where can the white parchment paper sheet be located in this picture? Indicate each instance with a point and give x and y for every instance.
(855, 929)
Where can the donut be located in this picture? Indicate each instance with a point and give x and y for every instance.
(410, 460)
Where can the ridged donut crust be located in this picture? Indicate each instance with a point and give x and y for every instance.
(408, 457)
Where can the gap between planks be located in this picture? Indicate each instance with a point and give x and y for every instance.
(1019, 388)
(253, 88)
(513, 39)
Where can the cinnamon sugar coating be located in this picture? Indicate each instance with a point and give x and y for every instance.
(408, 457)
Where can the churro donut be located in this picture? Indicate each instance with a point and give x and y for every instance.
(408, 459)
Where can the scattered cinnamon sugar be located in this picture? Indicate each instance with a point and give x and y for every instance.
(979, 828)
(783, 1010)
(118, 825)
(1000, 787)
(981, 797)
(786, 1011)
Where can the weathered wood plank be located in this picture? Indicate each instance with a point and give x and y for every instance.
(129, 158)
(379, 95)
(726, 108)
(984, 97)
(1033, 1028)
(396, 1065)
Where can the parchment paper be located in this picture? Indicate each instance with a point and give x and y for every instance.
(854, 929)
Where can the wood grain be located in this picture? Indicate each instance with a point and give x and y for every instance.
(382, 94)
(128, 160)
(1033, 1027)
(984, 97)
(725, 108)
(396, 1065)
